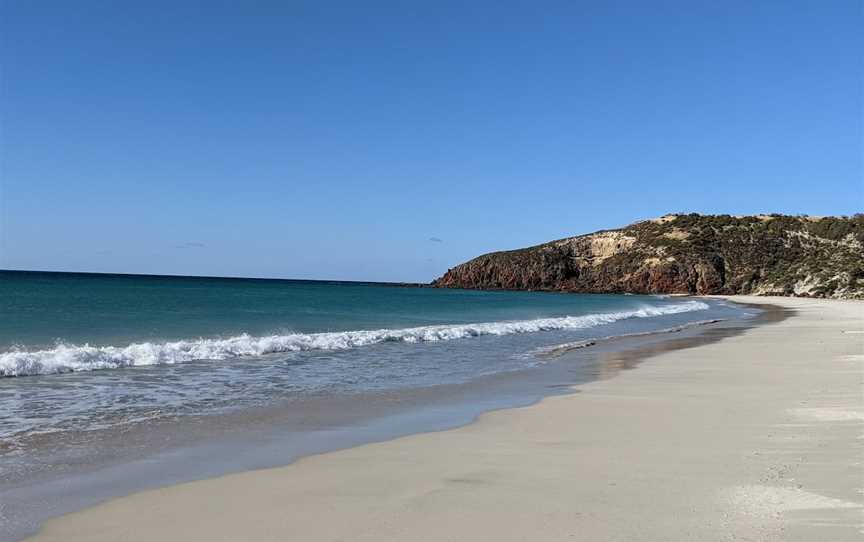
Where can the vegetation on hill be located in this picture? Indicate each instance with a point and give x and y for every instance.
(690, 254)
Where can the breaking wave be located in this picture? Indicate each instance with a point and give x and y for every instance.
(71, 358)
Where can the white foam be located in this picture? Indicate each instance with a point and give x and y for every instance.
(69, 358)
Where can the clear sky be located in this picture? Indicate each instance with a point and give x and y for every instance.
(392, 140)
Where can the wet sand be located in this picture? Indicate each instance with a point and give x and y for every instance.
(757, 436)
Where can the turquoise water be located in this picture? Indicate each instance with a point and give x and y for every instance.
(97, 351)
(41, 309)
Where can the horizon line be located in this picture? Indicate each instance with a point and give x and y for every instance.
(165, 275)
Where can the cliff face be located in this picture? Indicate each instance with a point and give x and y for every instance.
(686, 254)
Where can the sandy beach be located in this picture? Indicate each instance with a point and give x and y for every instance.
(759, 436)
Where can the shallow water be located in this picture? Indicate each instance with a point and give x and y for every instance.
(89, 352)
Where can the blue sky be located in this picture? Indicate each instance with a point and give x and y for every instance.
(392, 140)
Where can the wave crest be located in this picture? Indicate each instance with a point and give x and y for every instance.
(71, 358)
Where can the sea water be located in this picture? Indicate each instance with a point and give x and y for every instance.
(86, 351)
(111, 384)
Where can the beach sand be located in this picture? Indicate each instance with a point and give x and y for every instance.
(759, 436)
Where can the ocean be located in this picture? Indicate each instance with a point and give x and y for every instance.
(88, 351)
(115, 383)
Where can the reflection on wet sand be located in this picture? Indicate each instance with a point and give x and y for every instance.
(611, 363)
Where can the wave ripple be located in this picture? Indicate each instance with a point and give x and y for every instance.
(71, 358)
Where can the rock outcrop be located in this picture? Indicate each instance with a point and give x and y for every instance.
(686, 254)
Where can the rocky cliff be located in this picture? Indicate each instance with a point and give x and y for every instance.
(687, 254)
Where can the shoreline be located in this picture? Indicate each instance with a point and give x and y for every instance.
(155, 456)
(370, 503)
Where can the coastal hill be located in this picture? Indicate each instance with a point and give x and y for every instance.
(686, 254)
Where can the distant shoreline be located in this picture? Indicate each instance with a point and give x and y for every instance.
(431, 284)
